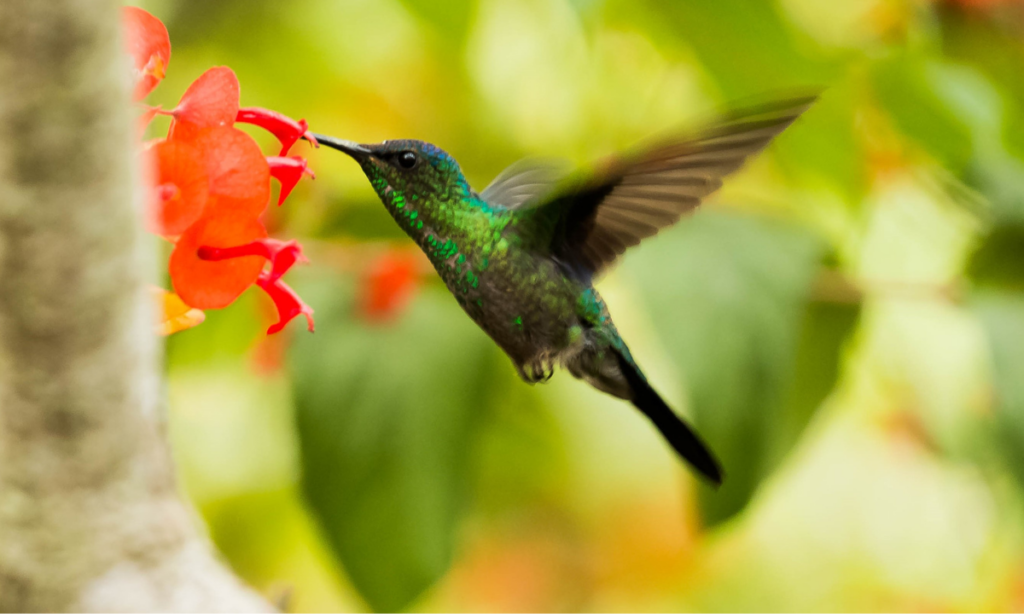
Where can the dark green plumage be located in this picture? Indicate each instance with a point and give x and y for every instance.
(520, 256)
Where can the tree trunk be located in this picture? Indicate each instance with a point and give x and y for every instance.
(90, 517)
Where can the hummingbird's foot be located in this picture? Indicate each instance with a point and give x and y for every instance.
(538, 370)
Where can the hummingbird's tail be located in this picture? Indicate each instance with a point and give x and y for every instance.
(678, 434)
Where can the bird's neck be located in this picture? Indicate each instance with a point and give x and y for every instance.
(458, 234)
(453, 219)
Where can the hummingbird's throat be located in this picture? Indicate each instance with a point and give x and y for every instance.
(403, 210)
(395, 201)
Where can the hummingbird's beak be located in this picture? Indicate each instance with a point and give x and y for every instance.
(353, 149)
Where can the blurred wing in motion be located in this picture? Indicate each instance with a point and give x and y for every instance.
(635, 196)
(525, 182)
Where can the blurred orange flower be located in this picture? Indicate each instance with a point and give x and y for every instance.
(211, 184)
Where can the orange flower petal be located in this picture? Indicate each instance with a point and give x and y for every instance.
(147, 42)
(211, 100)
(181, 185)
(209, 284)
(238, 172)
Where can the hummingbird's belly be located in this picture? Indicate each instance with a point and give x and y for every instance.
(527, 305)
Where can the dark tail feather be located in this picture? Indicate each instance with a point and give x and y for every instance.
(673, 429)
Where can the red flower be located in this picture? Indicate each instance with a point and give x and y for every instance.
(281, 254)
(149, 46)
(210, 284)
(211, 100)
(288, 171)
(286, 129)
(211, 184)
(289, 305)
(182, 187)
(389, 283)
(238, 171)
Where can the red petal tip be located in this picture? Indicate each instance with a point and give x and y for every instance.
(288, 171)
(281, 254)
(289, 305)
(286, 129)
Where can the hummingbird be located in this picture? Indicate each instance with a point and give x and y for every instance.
(521, 255)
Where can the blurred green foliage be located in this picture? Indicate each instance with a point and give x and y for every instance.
(844, 321)
(733, 329)
(385, 438)
(1002, 316)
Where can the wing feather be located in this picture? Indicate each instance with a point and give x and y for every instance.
(525, 182)
(635, 196)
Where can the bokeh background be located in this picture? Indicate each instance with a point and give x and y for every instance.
(844, 321)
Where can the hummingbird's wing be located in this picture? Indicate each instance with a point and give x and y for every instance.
(526, 181)
(633, 197)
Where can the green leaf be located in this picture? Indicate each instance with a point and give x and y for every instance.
(1000, 178)
(386, 418)
(908, 87)
(824, 329)
(729, 295)
(998, 261)
(1002, 316)
(962, 119)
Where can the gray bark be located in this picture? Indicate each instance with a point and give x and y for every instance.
(90, 515)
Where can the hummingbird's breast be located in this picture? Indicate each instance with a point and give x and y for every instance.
(520, 298)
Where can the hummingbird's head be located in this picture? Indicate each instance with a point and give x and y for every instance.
(405, 168)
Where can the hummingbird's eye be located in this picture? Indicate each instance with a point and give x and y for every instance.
(407, 159)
